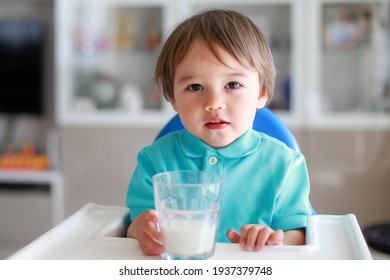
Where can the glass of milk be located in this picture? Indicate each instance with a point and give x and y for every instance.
(188, 204)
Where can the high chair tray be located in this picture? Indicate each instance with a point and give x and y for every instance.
(96, 232)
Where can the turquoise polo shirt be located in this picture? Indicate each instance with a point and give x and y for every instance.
(265, 182)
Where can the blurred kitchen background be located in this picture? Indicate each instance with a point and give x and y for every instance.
(77, 102)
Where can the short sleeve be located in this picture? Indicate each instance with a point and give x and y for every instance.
(292, 204)
(140, 191)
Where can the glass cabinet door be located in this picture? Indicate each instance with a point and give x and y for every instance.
(354, 57)
(113, 70)
(110, 49)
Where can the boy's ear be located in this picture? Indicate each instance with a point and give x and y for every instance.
(173, 104)
(263, 98)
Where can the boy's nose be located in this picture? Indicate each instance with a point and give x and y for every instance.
(214, 102)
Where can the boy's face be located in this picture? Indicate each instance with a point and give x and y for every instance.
(216, 102)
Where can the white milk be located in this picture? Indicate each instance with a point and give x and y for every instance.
(188, 237)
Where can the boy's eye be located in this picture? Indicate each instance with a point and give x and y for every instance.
(195, 87)
(233, 85)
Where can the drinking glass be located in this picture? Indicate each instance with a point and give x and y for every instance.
(188, 205)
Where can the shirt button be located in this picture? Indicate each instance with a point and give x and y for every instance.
(213, 160)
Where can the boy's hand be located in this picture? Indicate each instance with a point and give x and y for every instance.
(253, 237)
(144, 229)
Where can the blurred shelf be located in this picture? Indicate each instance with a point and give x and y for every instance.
(51, 177)
(117, 118)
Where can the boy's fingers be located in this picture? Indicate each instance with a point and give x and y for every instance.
(233, 236)
(151, 240)
(276, 238)
(151, 229)
(151, 215)
(150, 247)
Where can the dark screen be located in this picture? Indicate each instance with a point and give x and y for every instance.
(21, 67)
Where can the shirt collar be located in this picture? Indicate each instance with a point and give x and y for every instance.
(246, 144)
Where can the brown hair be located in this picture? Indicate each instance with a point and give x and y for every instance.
(234, 32)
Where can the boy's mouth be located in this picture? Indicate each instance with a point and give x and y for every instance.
(216, 124)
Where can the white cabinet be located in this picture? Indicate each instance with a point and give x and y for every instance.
(105, 57)
(332, 59)
(350, 64)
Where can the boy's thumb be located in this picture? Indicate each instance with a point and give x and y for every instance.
(233, 236)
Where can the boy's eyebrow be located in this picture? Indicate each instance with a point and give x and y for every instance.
(239, 74)
(185, 79)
